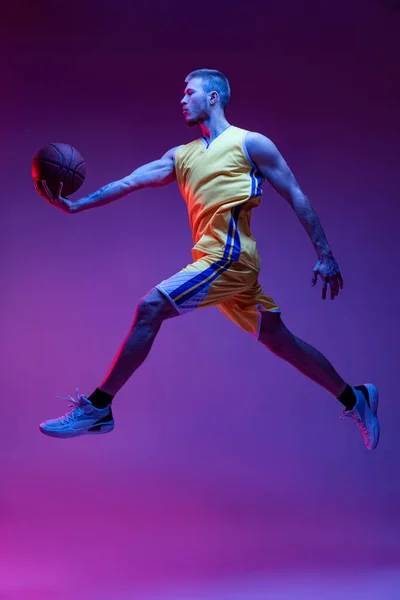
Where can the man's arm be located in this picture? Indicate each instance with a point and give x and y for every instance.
(155, 174)
(274, 168)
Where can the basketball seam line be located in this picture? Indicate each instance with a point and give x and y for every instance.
(50, 162)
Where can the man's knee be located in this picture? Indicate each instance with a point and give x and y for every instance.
(155, 307)
(271, 323)
(273, 332)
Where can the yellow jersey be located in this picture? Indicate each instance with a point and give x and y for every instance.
(220, 185)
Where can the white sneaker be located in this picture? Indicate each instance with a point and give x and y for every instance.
(82, 418)
(365, 416)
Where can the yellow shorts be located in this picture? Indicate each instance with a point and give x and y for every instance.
(231, 286)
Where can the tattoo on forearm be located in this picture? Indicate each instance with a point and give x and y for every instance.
(99, 192)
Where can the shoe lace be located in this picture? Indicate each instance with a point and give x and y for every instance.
(356, 417)
(76, 405)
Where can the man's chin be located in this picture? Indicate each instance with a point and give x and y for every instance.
(191, 122)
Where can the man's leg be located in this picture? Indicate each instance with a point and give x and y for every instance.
(277, 338)
(93, 414)
(151, 311)
(361, 402)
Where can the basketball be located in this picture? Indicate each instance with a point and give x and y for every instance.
(59, 162)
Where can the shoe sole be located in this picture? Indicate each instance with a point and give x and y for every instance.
(68, 434)
(373, 396)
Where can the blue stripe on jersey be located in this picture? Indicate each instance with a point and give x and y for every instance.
(236, 243)
(256, 181)
(187, 286)
(253, 182)
(231, 253)
(259, 178)
(213, 272)
(228, 239)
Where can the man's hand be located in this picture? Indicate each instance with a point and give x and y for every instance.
(328, 269)
(56, 200)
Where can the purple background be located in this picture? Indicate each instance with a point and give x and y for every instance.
(229, 474)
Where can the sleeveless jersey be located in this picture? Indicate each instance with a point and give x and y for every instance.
(220, 185)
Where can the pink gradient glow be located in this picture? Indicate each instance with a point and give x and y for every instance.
(228, 474)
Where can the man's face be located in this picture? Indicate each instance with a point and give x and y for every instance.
(194, 102)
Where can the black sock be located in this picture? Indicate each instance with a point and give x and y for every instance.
(100, 399)
(348, 397)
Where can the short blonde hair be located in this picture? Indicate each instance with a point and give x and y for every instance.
(213, 81)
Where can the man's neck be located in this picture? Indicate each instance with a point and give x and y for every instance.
(212, 128)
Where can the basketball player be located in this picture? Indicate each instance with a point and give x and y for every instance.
(220, 176)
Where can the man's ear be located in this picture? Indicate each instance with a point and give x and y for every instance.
(213, 97)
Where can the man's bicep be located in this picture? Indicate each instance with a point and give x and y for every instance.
(166, 169)
(171, 153)
(281, 177)
(272, 165)
(155, 174)
(168, 164)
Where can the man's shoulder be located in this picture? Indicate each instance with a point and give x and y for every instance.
(257, 142)
(171, 154)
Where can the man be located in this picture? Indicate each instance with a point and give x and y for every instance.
(220, 177)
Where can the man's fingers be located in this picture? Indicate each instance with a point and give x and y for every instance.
(335, 287)
(59, 190)
(38, 188)
(46, 188)
(47, 191)
(333, 278)
(324, 286)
